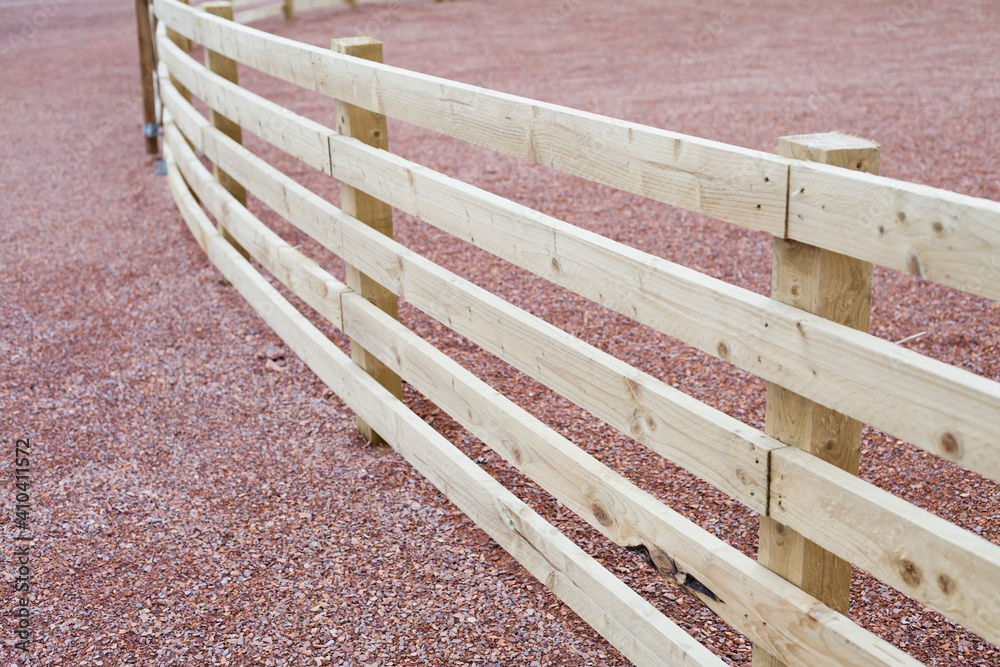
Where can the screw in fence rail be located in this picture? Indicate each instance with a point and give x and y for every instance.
(144, 30)
(370, 128)
(838, 288)
(226, 68)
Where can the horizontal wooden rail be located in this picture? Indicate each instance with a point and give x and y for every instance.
(942, 236)
(623, 617)
(945, 410)
(939, 235)
(808, 632)
(514, 336)
(298, 136)
(735, 184)
(721, 450)
(951, 570)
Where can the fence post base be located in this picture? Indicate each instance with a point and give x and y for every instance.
(837, 288)
(370, 128)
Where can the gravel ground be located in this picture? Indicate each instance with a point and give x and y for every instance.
(200, 498)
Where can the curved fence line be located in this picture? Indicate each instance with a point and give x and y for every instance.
(802, 482)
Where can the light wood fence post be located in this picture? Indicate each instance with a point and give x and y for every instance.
(144, 28)
(226, 68)
(289, 9)
(370, 128)
(838, 288)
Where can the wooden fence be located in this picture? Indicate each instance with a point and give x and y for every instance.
(826, 374)
(244, 11)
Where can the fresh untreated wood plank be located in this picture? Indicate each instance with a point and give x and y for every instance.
(731, 183)
(371, 129)
(628, 621)
(290, 199)
(925, 557)
(198, 223)
(945, 410)
(722, 450)
(837, 288)
(942, 236)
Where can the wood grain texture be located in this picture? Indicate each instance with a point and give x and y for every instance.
(734, 184)
(371, 129)
(619, 614)
(837, 288)
(943, 409)
(946, 410)
(938, 235)
(951, 570)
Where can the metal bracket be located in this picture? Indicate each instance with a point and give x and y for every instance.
(150, 130)
(160, 167)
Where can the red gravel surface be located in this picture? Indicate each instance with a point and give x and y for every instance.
(200, 498)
